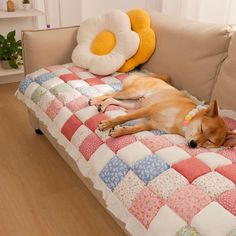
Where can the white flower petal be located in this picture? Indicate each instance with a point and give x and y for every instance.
(107, 64)
(127, 43)
(82, 55)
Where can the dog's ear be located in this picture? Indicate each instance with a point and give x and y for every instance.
(212, 110)
(230, 139)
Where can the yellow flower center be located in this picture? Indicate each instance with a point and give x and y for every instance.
(103, 43)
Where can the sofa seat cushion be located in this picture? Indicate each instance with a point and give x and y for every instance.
(225, 87)
(189, 52)
(148, 179)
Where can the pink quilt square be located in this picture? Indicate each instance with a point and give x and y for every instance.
(192, 151)
(76, 69)
(77, 104)
(113, 108)
(191, 168)
(121, 76)
(188, 201)
(54, 108)
(145, 206)
(229, 171)
(116, 144)
(68, 77)
(90, 145)
(155, 142)
(230, 123)
(93, 122)
(71, 125)
(228, 200)
(229, 153)
(94, 81)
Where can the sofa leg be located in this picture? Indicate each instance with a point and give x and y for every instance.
(38, 131)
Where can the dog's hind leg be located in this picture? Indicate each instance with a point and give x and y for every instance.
(127, 104)
(110, 123)
(127, 93)
(119, 131)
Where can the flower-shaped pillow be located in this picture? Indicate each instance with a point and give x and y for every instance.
(105, 43)
(141, 24)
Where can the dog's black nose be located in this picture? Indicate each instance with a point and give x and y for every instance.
(193, 144)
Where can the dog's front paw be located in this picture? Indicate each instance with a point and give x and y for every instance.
(116, 131)
(92, 102)
(105, 124)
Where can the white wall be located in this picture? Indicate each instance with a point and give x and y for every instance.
(97, 7)
(64, 12)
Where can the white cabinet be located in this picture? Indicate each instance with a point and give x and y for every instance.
(18, 20)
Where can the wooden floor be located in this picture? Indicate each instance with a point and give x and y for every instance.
(39, 193)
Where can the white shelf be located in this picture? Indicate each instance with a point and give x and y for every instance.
(10, 72)
(20, 13)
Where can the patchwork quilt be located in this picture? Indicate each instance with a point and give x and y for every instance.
(152, 181)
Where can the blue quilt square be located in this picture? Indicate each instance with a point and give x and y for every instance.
(116, 86)
(158, 132)
(44, 77)
(24, 84)
(87, 90)
(149, 168)
(114, 172)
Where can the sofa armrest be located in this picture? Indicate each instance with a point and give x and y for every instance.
(47, 47)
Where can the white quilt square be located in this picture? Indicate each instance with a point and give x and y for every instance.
(46, 100)
(166, 222)
(68, 95)
(52, 83)
(87, 112)
(172, 154)
(30, 89)
(133, 152)
(213, 160)
(214, 220)
(101, 157)
(214, 184)
(80, 134)
(104, 135)
(167, 183)
(104, 88)
(115, 113)
(128, 189)
(61, 118)
(77, 83)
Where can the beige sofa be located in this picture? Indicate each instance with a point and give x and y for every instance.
(199, 58)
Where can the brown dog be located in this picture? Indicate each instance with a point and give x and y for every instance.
(165, 108)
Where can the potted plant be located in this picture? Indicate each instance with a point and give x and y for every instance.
(26, 4)
(10, 51)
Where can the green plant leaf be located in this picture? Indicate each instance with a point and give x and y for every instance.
(11, 35)
(2, 39)
(13, 64)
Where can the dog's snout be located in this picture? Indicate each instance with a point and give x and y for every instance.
(192, 144)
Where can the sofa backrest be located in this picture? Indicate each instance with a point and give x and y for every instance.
(225, 87)
(42, 48)
(191, 53)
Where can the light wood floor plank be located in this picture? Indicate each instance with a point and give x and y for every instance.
(39, 194)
